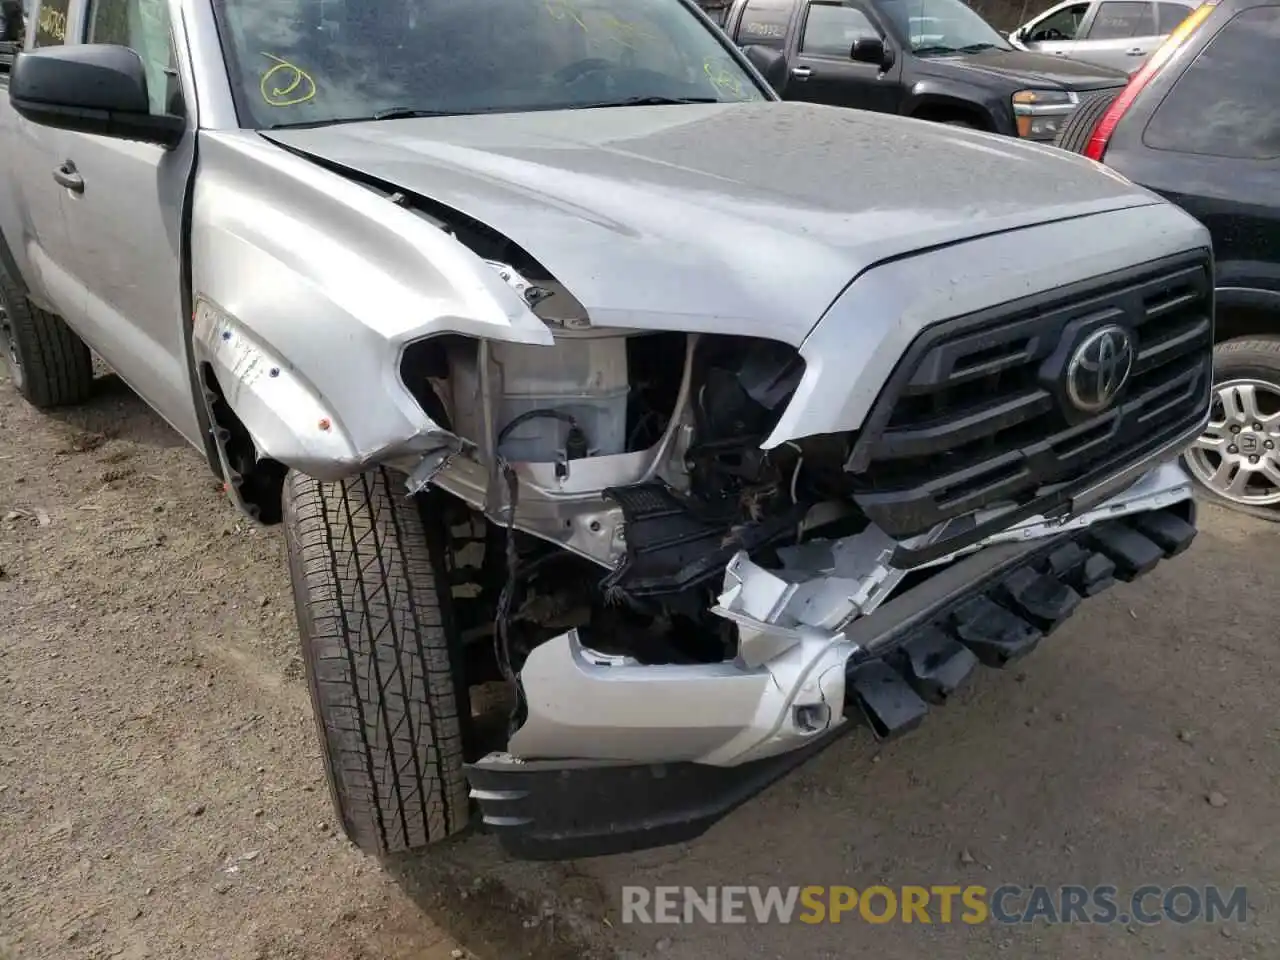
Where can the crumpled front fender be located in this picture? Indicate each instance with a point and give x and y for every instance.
(307, 289)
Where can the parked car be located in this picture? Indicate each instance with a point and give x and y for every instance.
(1199, 125)
(689, 427)
(931, 59)
(1115, 33)
(12, 30)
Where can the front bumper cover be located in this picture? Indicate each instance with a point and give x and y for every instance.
(992, 607)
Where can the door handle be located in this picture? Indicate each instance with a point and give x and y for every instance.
(801, 73)
(1134, 52)
(66, 176)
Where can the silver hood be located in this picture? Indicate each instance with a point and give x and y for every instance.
(747, 217)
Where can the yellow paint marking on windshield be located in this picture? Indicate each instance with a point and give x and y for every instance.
(286, 84)
(53, 23)
(721, 77)
(625, 32)
(564, 10)
(608, 26)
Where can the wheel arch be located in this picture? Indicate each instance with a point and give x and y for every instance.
(940, 106)
(307, 288)
(1245, 312)
(9, 264)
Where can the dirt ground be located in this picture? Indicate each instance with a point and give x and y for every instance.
(161, 792)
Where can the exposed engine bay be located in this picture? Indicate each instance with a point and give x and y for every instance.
(628, 470)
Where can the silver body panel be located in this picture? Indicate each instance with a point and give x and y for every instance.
(725, 218)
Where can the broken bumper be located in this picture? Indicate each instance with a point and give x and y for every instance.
(659, 753)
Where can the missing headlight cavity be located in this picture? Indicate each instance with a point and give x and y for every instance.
(640, 453)
(601, 392)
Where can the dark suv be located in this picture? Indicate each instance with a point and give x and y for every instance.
(1200, 125)
(931, 59)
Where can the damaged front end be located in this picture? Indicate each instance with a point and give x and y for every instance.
(682, 588)
(686, 558)
(675, 589)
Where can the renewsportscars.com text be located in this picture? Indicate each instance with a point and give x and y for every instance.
(936, 904)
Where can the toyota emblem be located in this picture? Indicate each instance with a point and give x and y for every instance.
(1099, 368)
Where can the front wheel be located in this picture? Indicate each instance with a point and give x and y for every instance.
(1237, 458)
(372, 593)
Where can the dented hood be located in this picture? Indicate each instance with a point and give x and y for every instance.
(747, 218)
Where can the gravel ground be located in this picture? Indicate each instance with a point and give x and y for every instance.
(161, 792)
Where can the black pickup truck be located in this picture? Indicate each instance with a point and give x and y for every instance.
(932, 59)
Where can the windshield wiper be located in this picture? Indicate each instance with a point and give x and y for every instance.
(391, 113)
(926, 51)
(404, 113)
(978, 47)
(643, 102)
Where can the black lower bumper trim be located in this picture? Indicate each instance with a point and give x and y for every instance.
(886, 701)
(564, 809)
(995, 635)
(1042, 598)
(1132, 552)
(1167, 530)
(935, 665)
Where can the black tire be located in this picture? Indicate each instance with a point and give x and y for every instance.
(1075, 133)
(1245, 358)
(371, 591)
(48, 364)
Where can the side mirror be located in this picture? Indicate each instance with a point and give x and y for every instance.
(870, 50)
(90, 88)
(771, 62)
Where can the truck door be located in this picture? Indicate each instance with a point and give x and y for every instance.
(822, 70)
(124, 215)
(33, 156)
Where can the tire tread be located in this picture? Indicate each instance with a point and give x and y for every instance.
(57, 366)
(1075, 133)
(365, 564)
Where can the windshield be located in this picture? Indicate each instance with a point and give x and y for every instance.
(937, 27)
(306, 62)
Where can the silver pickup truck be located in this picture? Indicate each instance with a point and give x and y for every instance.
(634, 434)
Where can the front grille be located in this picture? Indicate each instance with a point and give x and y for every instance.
(975, 415)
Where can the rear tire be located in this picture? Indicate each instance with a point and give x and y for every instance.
(1075, 133)
(48, 364)
(371, 589)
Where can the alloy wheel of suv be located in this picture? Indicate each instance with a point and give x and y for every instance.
(1238, 455)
